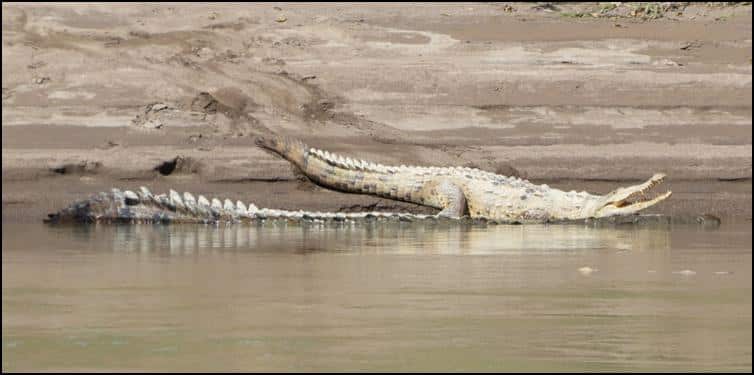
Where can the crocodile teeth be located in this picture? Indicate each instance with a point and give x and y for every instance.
(252, 208)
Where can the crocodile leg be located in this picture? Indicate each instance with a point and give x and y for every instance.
(449, 196)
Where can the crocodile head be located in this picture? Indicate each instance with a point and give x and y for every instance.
(629, 200)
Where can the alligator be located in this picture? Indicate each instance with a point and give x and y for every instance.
(457, 192)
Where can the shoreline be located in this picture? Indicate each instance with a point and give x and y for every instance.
(579, 97)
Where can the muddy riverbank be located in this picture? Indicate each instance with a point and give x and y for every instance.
(576, 96)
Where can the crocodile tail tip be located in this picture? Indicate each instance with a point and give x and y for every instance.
(273, 142)
(262, 141)
(289, 148)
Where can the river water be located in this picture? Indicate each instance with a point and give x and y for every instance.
(384, 296)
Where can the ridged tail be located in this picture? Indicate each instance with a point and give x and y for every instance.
(118, 206)
(340, 173)
(292, 150)
(327, 170)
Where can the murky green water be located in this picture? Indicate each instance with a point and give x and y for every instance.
(382, 297)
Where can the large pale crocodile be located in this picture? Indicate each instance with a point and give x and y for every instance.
(455, 191)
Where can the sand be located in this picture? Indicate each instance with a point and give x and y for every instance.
(103, 96)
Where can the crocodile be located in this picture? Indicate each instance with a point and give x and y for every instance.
(457, 192)
(142, 207)
(462, 191)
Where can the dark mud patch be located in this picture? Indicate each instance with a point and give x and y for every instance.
(734, 179)
(81, 168)
(229, 101)
(204, 102)
(232, 103)
(179, 165)
(238, 25)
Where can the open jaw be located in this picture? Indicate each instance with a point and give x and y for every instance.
(632, 199)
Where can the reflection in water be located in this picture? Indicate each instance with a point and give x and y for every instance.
(396, 238)
(379, 296)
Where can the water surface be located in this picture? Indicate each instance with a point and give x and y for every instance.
(388, 296)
